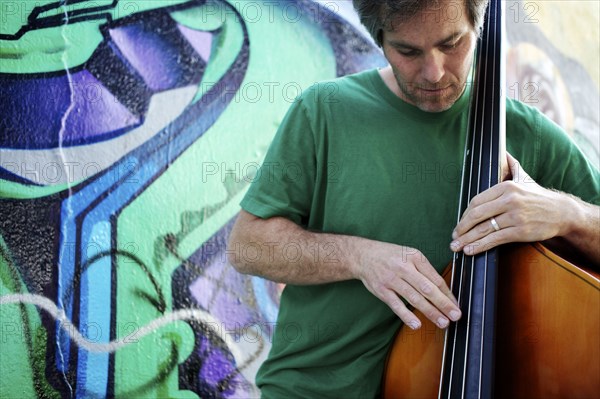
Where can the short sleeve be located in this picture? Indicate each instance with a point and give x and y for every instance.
(284, 184)
(551, 157)
(578, 176)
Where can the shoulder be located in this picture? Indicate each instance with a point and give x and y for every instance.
(345, 85)
(345, 91)
(523, 118)
(548, 153)
(533, 138)
(528, 129)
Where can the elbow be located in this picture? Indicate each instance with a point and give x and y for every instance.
(242, 244)
(235, 252)
(234, 257)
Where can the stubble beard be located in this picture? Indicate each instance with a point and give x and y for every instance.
(437, 102)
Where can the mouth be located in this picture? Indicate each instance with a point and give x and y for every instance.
(434, 90)
(433, 93)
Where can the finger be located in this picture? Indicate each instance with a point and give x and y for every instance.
(481, 230)
(437, 305)
(486, 196)
(427, 270)
(478, 215)
(505, 172)
(427, 280)
(418, 301)
(491, 241)
(518, 173)
(512, 161)
(400, 309)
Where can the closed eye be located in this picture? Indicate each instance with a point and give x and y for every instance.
(451, 46)
(408, 53)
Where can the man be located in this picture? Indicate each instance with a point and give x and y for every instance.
(355, 207)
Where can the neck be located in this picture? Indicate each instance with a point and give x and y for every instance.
(387, 75)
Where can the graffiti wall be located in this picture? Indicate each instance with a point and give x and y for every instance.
(130, 131)
(554, 64)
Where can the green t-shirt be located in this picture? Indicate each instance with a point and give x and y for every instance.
(352, 158)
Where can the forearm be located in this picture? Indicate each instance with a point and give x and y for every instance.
(281, 251)
(520, 210)
(581, 233)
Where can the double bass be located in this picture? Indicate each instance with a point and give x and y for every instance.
(531, 320)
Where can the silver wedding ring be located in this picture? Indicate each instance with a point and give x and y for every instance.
(494, 224)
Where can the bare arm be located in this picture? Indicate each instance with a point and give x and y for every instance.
(527, 212)
(281, 251)
(581, 231)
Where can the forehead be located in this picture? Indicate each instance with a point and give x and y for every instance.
(438, 18)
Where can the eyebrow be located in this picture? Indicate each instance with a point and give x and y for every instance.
(455, 35)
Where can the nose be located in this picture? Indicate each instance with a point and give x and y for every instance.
(433, 67)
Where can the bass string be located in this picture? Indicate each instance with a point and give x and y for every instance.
(488, 130)
(468, 262)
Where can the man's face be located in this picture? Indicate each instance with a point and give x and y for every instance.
(431, 55)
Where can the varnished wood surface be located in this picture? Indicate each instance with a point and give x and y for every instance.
(547, 334)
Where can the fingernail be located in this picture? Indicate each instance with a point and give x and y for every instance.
(454, 315)
(455, 245)
(415, 325)
(442, 322)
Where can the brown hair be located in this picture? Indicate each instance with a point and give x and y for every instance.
(375, 15)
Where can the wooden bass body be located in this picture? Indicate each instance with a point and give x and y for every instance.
(547, 333)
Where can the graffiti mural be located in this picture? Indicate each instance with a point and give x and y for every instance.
(130, 131)
(550, 65)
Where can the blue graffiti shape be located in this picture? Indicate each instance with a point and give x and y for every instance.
(109, 96)
(89, 215)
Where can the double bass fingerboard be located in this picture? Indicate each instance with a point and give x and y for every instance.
(468, 363)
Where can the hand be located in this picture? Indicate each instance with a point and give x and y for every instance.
(522, 210)
(391, 271)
